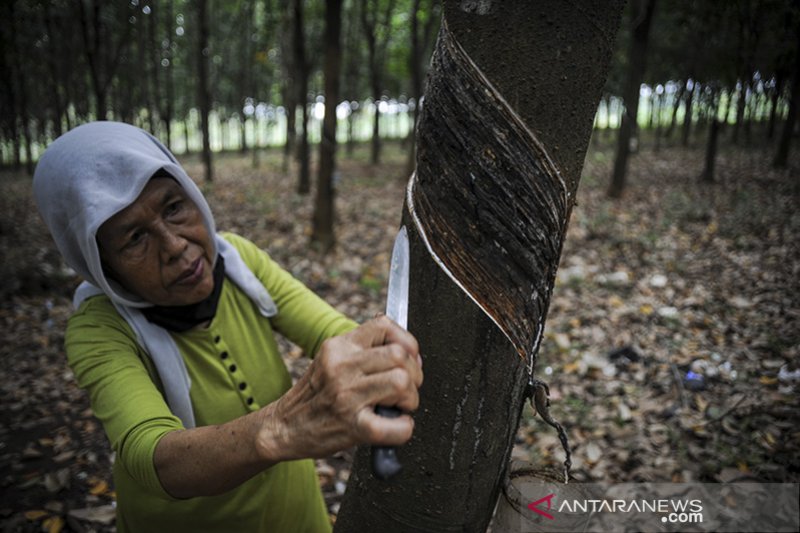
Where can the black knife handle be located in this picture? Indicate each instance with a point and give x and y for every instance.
(385, 464)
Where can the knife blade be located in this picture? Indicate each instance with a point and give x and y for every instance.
(385, 463)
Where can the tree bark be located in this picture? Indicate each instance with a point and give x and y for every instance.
(676, 104)
(773, 109)
(707, 176)
(782, 154)
(22, 92)
(322, 232)
(167, 111)
(419, 45)
(202, 86)
(288, 90)
(641, 16)
(486, 211)
(659, 109)
(301, 86)
(687, 117)
(376, 54)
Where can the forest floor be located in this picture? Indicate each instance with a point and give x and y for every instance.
(672, 343)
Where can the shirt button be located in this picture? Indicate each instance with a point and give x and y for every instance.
(224, 355)
(242, 386)
(249, 401)
(216, 339)
(232, 368)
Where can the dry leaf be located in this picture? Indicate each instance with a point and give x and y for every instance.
(54, 524)
(104, 514)
(35, 514)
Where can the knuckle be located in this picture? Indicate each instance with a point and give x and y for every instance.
(400, 380)
(396, 354)
(372, 433)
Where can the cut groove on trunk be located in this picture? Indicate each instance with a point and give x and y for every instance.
(491, 164)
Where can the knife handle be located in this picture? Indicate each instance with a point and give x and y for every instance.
(385, 464)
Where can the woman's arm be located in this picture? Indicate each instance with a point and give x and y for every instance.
(331, 408)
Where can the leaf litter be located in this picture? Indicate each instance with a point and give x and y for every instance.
(671, 346)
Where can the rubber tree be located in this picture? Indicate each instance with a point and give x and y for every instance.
(510, 99)
(322, 230)
(641, 15)
(203, 95)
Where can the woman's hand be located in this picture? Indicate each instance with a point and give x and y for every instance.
(331, 407)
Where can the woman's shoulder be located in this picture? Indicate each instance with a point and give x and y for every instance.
(253, 256)
(97, 316)
(242, 244)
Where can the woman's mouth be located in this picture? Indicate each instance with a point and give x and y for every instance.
(192, 275)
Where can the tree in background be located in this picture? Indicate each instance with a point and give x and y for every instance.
(203, 97)
(782, 154)
(641, 12)
(322, 231)
(510, 98)
(376, 18)
(300, 77)
(420, 42)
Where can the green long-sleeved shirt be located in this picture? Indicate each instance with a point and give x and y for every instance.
(235, 368)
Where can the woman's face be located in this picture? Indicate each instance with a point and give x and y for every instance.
(158, 247)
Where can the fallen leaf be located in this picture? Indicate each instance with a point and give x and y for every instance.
(101, 487)
(35, 514)
(104, 514)
(54, 524)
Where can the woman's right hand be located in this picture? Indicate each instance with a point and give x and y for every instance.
(332, 407)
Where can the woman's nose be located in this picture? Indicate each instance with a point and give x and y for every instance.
(172, 244)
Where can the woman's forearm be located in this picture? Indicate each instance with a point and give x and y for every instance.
(210, 460)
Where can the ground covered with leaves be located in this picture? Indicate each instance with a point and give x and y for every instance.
(671, 346)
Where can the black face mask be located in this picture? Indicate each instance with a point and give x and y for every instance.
(182, 318)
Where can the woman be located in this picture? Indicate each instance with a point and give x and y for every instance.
(172, 338)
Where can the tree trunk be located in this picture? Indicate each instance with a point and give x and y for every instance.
(419, 44)
(486, 211)
(288, 90)
(57, 80)
(301, 86)
(376, 54)
(21, 91)
(202, 86)
(246, 74)
(711, 152)
(351, 141)
(659, 109)
(168, 110)
(676, 104)
(782, 155)
(687, 118)
(773, 109)
(322, 233)
(641, 16)
(740, 103)
(707, 176)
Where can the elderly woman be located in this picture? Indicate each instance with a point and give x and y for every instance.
(173, 339)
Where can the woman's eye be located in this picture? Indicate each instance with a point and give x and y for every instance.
(174, 208)
(136, 238)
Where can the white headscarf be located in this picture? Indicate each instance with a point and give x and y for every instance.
(84, 178)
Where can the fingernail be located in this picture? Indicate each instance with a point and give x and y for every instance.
(419, 360)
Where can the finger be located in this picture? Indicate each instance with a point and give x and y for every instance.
(383, 330)
(387, 357)
(392, 388)
(382, 431)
